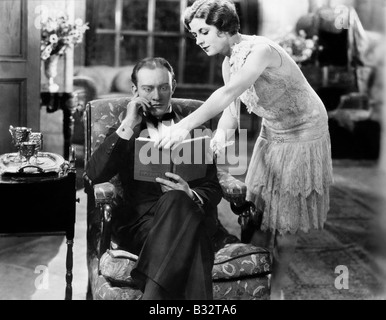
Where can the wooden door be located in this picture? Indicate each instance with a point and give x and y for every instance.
(19, 68)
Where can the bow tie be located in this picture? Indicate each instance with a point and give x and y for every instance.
(164, 117)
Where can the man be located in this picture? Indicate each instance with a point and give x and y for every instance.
(168, 222)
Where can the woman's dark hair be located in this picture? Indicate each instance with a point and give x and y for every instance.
(219, 13)
(151, 63)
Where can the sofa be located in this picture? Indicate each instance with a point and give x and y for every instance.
(103, 81)
(98, 82)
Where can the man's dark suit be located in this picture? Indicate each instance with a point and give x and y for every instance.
(169, 231)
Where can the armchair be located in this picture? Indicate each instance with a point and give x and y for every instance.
(241, 270)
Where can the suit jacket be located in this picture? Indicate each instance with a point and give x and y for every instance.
(116, 156)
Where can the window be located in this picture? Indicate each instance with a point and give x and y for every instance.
(125, 31)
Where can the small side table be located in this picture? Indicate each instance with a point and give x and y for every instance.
(67, 102)
(42, 204)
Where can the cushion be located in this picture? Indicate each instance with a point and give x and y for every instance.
(116, 265)
(257, 288)
(102, 76)
(103, 289)
(234, 261)
(238, 260)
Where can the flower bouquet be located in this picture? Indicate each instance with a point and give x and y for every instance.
(58, 34)
(298, 46)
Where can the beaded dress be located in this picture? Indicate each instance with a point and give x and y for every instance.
(290, 170)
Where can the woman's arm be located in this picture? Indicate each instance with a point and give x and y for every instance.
(227, 121)
(260, 58)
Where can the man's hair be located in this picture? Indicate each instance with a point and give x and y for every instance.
(151, 63)
(219, 13)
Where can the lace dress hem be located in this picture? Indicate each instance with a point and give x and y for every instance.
(289, 181)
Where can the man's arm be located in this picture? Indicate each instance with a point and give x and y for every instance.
(108, 158)
(111, 155)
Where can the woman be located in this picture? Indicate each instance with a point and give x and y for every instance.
(290, 170)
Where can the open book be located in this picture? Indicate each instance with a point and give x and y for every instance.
(189, 160)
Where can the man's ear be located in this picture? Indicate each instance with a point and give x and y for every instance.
(174, 85)
(134, 90)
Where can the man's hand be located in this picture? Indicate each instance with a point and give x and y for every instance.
(136, 108)
(177, 183)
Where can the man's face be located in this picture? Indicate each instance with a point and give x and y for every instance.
(155, 85)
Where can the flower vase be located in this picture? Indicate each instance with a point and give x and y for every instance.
(51, 71)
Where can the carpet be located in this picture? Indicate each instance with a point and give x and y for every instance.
(353, 239)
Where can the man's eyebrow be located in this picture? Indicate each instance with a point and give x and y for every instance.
(151, 86)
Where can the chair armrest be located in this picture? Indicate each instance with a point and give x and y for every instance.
(102, 200)
(104, 193)
(88, 85)
(234, 190)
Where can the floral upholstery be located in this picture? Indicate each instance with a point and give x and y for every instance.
(240, 270)
(102, 289)
(118, 268)
(240, 260)
(256, 288)
(104, 191)
(233, 189)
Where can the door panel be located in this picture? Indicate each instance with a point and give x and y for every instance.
(11, 25)
(19, 68)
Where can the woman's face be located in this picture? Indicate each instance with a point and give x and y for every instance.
(209, 38)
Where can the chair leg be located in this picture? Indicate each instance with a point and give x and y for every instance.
(247, 232)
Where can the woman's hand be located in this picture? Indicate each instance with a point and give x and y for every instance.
(177, 183)
(173, 137)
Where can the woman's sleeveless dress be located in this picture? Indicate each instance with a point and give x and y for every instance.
(290, 170)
